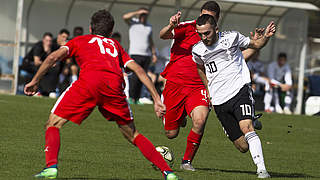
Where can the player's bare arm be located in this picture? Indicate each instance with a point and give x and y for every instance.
(203, 77)
(260, 43)
(248, 53)
(159, 107)
(126, 17)
(32, 87)
(166, 32)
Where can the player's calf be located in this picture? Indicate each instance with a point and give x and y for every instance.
(241, 144)
(199, 117)
(145, 146)
(246, 126)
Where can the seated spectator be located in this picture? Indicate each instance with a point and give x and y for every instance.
(280, 77)
(61, 39)
(73, 66)
(77, 31)
(34, 59)
(259, 80)
(154, 74)
(37, 54)
(49, 83)
(70, 69)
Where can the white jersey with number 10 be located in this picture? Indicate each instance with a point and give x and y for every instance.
(226, 69)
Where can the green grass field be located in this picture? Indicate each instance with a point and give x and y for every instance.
(97, 150)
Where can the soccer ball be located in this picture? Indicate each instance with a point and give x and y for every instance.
(166, 154)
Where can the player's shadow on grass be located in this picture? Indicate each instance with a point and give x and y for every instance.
(272, 174)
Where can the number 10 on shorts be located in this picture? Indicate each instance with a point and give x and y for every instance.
(246, 109)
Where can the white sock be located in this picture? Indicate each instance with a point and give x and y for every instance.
(287, 101)
(255, 149)
(267, 99)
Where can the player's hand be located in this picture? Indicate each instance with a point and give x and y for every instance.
(258, 33)
(285, 87)
(159, 108)
(175, 19)
(270, 30)
(31, 88)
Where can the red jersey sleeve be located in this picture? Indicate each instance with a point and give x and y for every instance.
(72, 48)
(180, 31)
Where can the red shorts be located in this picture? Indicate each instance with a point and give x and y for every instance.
(78, 101)
(180, 101)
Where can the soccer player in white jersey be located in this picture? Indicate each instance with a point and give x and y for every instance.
(280, 75)
(224, 72)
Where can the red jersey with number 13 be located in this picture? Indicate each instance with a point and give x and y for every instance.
(181, 68)
(98, 57)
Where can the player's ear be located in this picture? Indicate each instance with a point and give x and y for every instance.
(90, 29)
(217, 29)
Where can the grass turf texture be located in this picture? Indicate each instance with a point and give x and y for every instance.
(97, 150)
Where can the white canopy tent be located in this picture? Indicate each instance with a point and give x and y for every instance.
(27, 20)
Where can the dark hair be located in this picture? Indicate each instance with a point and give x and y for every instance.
(212, 6)
(78, 28)
(282, 55)
(47, 34)
(206, 18)
(102, 23)
(64, 31)
(77, 31)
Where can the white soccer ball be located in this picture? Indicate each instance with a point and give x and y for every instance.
(166, 154)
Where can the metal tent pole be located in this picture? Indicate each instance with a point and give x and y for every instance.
(301, 78)
(17, 45)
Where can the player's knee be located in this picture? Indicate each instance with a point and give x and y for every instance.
(171, 134)
(199, 117)
(55, 121)
(129, 132)
(246, 126)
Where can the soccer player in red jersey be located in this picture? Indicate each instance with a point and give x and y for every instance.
(100, 84)
(184, 93)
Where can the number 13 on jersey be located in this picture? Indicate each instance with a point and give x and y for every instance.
(104, 50)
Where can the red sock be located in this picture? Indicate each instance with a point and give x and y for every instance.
(193, 142)
(150, 152)
(52, 146)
